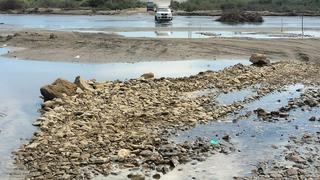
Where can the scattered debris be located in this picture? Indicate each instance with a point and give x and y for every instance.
(214, 141)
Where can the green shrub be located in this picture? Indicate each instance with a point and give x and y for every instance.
(94, 3)
(113, 4)
(54, 3)
(11, 4)
(270, 5)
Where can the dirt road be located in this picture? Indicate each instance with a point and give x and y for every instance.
(102, 48)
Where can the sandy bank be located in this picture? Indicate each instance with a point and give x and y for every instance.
(102, 48)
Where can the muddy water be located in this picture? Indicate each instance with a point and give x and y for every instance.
(190, 26)
(21, 80)
(256, 140)
(142, 20)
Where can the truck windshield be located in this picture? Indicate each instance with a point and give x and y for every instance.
(163, 9)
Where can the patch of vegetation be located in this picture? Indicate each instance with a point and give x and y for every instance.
(11, 4)
(96, 4)
(113, 4)
(240, 17)
(251, 5)
(189, 5)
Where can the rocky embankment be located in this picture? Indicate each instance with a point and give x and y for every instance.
(89, 128)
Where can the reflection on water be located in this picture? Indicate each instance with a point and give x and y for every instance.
(231, 97)
(21, 80)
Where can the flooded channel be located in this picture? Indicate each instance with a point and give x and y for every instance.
(256, 140)
(142, 20)
(180, 27)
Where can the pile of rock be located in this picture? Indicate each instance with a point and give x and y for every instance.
(88, 127)
(240, 17)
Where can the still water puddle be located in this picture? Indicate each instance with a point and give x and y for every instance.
(276, 100)
(222, 34)
(256, 140)
(231, 97)
(21, 80)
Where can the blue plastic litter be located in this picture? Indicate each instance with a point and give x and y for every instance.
(214, 142)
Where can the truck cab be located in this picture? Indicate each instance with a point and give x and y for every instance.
(150, 6)
(163, 13)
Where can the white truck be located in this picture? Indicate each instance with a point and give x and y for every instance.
(163, 13)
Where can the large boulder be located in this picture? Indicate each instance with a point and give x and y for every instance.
(240, 17)
(57, 89)
(259, 59)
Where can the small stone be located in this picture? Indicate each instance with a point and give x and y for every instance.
(174, 161)
(115, 173)
(147, 75)
(156, 176)
(78, 113)
(79, 91)
(165, 169)
(295, 158)
(194, 163)
(312, 118)
(53, 36)
(146, 153)
(261, 112)
(226, 137)
(33, 145)
(275, 175)
(38, 122)
(123, 153)
(136, 176)
(291, 172)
